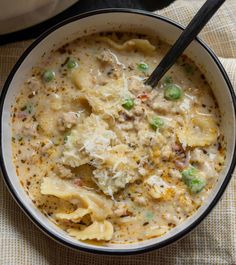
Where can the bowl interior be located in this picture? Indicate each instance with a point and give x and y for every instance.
(116, 21)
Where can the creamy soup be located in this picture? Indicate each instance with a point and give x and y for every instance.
(107, 158)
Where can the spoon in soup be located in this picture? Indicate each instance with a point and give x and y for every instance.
(188, 35)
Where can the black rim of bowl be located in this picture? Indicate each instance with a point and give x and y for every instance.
(90, 249)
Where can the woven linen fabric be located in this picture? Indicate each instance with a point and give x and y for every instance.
(212, 242)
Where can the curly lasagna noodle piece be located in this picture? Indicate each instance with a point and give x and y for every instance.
(104, 99)
(97, 230)
(88, 202)
(92, 142)
(200, 131)
(141, 45)
(88, 141)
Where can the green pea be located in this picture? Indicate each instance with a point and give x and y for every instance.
(172, 92)
(168, 80)
(72, 63)
(197, 185)
(143, 67)
(128, 103)
(48, 75)
(156, 123)
(192, 180)
(191, 171)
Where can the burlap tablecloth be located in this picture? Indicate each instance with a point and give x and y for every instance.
(214, 240)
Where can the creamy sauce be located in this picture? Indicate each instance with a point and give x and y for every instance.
(105, 157)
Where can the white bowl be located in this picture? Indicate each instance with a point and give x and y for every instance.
(121, 20)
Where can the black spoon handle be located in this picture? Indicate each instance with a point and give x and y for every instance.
(188, 35)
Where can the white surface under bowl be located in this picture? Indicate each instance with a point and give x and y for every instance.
(20, 14)
(119, 20)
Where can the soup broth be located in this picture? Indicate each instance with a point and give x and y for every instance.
(106, 157)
